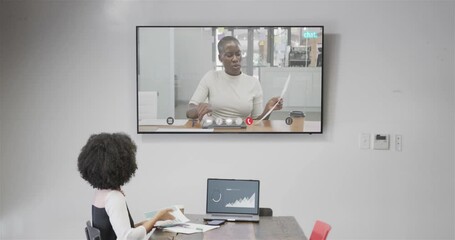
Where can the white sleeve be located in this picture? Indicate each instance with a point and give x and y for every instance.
(120, 221)
(202, 91)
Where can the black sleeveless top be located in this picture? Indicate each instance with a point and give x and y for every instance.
(100, 220)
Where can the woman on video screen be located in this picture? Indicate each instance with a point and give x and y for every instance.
(230, 93)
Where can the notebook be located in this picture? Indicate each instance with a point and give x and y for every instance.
(232, 200)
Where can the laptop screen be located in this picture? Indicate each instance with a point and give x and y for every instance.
(232, 196)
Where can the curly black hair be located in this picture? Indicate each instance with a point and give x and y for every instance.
(108, 161)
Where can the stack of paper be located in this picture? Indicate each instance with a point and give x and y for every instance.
(179, 218)
(180, 224)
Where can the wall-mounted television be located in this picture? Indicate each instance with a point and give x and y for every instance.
(229, 79)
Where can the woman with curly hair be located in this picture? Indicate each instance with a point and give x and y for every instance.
(107, 162)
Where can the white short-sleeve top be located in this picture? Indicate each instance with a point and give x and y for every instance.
(230, 96)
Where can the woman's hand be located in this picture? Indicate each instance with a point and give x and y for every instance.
(161, 215)
(202, 109)
(198, 111)
(271, 103)
(164, 214)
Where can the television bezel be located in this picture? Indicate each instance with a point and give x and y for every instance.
(229, 26)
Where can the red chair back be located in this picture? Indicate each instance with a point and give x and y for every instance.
(320, 231)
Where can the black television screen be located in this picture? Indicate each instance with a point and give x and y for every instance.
(236, 79)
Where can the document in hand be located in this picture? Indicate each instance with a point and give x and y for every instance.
(179, 218)
(285, 88)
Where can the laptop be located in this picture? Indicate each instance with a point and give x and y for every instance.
(232, 200)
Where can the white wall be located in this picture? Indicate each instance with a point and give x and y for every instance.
(68, 70)
(193, 59)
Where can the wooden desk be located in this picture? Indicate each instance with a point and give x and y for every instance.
(268, 228)
(264, 126)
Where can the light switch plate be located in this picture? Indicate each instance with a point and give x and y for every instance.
(398, 143)
(364, 140)
(381, 142)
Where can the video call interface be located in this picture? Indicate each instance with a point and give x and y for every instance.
(171, 62)
(232, 196)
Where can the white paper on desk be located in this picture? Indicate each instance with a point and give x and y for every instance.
(285, 88)
(189, 228)
(179, 217)
(179, 229)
